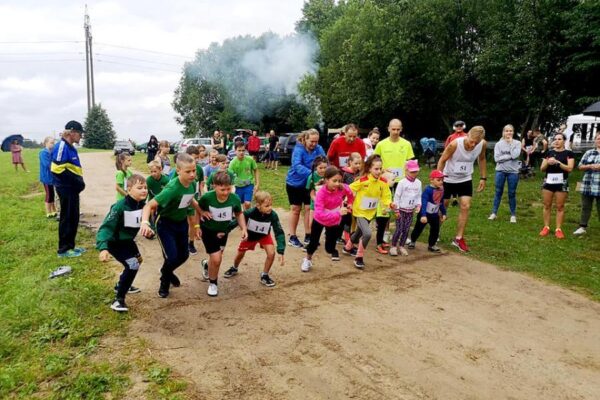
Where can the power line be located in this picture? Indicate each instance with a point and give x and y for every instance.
(41, 60)
(143, 50)
(40, 53)
(133, 65)
(137, 59)
(41, 41)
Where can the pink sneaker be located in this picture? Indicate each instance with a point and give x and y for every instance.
(461, 244)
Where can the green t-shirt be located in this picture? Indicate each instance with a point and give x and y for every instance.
(199, 178)
(222, 213)
(175, 201)
(209, 181)
(311, 184)
(122, 182)
(243, 170)
(154, 186)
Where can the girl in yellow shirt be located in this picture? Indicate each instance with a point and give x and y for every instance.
(370, 190)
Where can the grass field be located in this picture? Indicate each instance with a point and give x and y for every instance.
(51, 331)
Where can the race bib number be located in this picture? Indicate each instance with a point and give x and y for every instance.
(528, 148)
(369, 203)
(408, 202)
(398, 173)
(133, 219)
(221, 214)
(166, 169)
(258, 227)
(186, 200)
(463, 168)
(197, 187)
(555, 179)
(343, 161)
(125, 183)
(432, 208)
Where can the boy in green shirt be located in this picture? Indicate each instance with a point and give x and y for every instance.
(156, 181)
(219, 206)
(246, 175)
(175, 206)
(222, 165)
(115, 237)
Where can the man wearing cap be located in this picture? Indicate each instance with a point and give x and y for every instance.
(457, 162)
(343, 146)
(68, 177)
(459, 131)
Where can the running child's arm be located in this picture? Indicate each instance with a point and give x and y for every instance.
(242, 223)
(107, 231)
(420, 200)
(279, 234)
(234, 222)
(443, 210)
(386, 198)
(349, 197)
(149, 209)
(120, 183)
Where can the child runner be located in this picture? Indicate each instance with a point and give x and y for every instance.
(163, 157)
(122, 162)
(408, 200)
(174, 204)
(202, 157)
(219, 208)
(351, 172)
(259, 221)
(246, 174)
(313, 184)
(46, 177)
(212, 165)
(156, 181)
(371, 141)
(329, 211)
(222, 164)
(370, 190)
(432, 205)
(115, 236)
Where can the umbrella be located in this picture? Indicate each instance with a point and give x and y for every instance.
(593, 110)
(9, 139)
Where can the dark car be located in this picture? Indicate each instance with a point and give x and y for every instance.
(142, 147)
(287, 142)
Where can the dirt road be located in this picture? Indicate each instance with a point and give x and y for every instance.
(421, 327)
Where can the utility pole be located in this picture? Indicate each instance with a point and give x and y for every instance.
(89, 61)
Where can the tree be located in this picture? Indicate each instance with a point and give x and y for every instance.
(99, 132)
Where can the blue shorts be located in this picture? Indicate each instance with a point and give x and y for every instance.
(273, 155)
(244, 193)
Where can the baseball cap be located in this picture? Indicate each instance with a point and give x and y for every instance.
(412, 165)
(74, 126)
(459, 122)
(436, 173)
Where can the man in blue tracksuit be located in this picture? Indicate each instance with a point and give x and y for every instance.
(68, 177)
(303, 156)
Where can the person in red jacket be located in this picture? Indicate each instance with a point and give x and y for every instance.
(346, 144)
(459, 131)
(254, 145)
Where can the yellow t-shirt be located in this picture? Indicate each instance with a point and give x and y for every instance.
(370, 192)
(394, 155)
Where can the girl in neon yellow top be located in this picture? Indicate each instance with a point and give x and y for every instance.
(370, 190)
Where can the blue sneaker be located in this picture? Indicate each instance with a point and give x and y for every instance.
(295, 242)
(69, 253)
(80, 249)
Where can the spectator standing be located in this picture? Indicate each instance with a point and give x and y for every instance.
(459, 131)
(254, 145)
(273, 150)
(17, 157)
(590, 188)
(506, 155)
(68, 177)
(540, 147)
(152, 148)
(218, 143)
(46, 177)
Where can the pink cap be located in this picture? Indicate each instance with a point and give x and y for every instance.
(412, 165)
(436, 173)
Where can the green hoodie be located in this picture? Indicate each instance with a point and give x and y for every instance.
(113, 228)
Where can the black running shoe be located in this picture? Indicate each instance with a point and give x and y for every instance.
(359, 263)
(230, 272)
(132, 289)
(306, 240)
(351, 252)
(434, 249)
(411, 245)
(267, 281)
(335, 256)
(163, 291)
(192, 248)
(119, 305)
(175, 281)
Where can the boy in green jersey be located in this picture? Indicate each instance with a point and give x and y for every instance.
(115, 237)
(156, 181)
(175, 206)
(260, 220)
(222, 164)
(246, 175)
(219, 206)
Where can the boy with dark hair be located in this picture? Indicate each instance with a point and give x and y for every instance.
(115, 237)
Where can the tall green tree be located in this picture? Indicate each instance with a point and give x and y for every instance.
(99, 132)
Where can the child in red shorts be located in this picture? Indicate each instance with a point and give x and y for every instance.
(259, 221)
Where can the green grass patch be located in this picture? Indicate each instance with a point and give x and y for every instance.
(51, 329)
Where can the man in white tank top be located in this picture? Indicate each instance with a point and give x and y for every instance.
(457, 163)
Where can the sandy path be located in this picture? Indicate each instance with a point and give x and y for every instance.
(421, 327)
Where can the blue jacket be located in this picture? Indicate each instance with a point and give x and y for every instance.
(66, 167)
(432, 196)
(301, 166)
(45, 161)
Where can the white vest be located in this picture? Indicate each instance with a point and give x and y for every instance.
(459, 168)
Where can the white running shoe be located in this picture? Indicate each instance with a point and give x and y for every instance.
(580, 231)
(513, 219)
(403, 251)
(492, 216)
(213, 289)
(306, 265)
(393, 251)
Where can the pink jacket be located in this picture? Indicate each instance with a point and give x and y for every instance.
(328, 204)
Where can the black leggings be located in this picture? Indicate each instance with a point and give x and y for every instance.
(434, 229)
(382, 223)
(127, 253)
(332, 233)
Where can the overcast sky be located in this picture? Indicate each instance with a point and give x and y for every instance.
(42, 85)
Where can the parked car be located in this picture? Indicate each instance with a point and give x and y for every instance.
(123, 146)
(174, 147)
(142, 147)
(185, 143)
(287, 142)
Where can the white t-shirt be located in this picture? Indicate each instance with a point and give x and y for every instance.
(408, 194)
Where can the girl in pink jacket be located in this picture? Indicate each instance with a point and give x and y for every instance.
(331, 203)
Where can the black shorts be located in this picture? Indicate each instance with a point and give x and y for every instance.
(560, 187)
(254, 153)
(298, 195)
(211, 242)
(458, 189)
